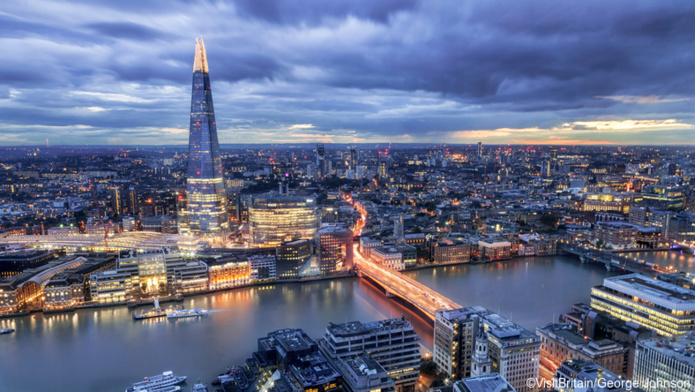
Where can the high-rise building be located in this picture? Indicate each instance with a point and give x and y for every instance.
(454, 333)
(665, 365)
(352, 164)
(321, 160)
(206, 195)
(392, 343)
(132, 205)
(383, 166)
(480, 148)
(334, 245)
(116, 200)
(513, 351)
(273, 220)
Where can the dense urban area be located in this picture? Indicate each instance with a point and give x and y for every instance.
(101, 226)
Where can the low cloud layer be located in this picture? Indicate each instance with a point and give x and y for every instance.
(538, 71)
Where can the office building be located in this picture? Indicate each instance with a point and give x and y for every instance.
(291, 256)
(576, 375)
(206, 196)
(388, 256)
(274, 220)
(454, 339)
(363, 374)
(666, 365)
(513, 351)
(559, 343)
(112, 286)
(663, 307)
(334, 249)
(321, 167)
(262, 268)
(352, 163)
(392, 343)
(116, 202)
(450, 251)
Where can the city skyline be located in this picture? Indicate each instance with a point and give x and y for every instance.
(537, 73)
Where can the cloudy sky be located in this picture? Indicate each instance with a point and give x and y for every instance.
(440, 71)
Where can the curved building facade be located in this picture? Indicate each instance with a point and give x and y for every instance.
(274, 220)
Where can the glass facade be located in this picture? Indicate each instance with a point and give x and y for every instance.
(273, 220)
(334, 249)
(206, 195)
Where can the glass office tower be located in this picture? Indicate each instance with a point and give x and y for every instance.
(206, 196)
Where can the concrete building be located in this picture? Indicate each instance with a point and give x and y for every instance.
(454, 339)
(577, 375)
(514, 351)
(560, 343)
(392, 343)
(666, 365)
(388, 256)
(262, 268)
(450, 251)
(363, 374)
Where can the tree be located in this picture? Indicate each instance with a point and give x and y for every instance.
(428, 368)
(549, 220)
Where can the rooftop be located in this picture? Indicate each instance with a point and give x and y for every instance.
(491, 382)
(655, 291)
(353, 328)
(682, 348)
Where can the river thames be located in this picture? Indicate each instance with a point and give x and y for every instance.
(105, 350)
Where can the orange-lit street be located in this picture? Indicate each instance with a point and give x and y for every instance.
(421, 296)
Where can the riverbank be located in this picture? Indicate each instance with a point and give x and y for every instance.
(130, 304)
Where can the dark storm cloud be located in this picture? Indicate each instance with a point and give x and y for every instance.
(354, 69)
(126, 30)
(313, 12)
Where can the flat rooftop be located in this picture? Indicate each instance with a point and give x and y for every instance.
(353, 328)
(486, 383)
(643, 287)
(682, 348)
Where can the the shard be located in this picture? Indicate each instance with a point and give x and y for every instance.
(206, 195)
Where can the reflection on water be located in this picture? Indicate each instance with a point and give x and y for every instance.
(679, 260)
(104, 349)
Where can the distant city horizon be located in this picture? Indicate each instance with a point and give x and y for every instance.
(312, 145)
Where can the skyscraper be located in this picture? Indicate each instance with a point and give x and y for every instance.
(207, 198)
(321, 160)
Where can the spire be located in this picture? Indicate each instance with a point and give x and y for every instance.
(201, 59)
